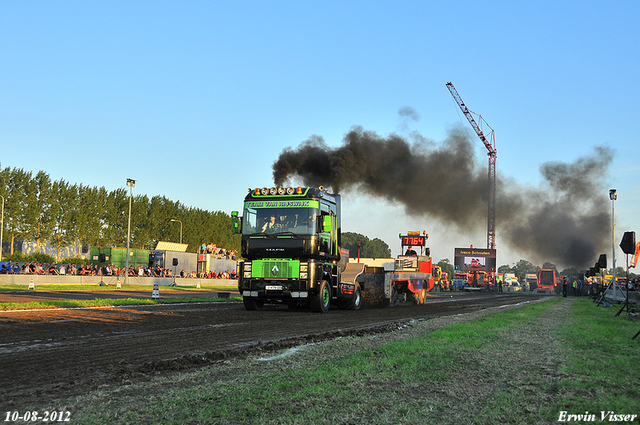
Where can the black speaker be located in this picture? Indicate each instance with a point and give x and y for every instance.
(596, 267)
(175, 261)
(587, 273)
(102, 258)
(628, 243)
(592, 271)
(602, 261)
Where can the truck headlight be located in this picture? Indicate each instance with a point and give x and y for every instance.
(304, 275)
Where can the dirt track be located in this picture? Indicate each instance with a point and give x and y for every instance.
(50, 354)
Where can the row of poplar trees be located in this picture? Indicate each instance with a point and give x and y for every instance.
(39, 210)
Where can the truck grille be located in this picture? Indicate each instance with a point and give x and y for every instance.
(275, 269)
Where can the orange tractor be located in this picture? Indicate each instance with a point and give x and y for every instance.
(413, 274)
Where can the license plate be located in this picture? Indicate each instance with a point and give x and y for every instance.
(273, 288)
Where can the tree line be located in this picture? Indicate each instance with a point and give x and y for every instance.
(40, 210)
(367, 248)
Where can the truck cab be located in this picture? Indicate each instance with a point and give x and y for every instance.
(291, 249)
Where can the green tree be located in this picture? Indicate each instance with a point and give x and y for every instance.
(570, 273)
(116, 213)
(375, 248)
(39, 210)
(522, 267)
(62, 206)
(160, 213)
(41, 224)
(145, 222)
(88, 217)
(446, 266)
(505, 269)
(214, 227)
(354, 242)
(4, 183)
(16, 210)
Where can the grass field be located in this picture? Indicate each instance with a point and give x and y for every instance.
(102, 302)
(517, 365)
(111, 287)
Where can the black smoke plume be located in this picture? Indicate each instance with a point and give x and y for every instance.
(565, 221)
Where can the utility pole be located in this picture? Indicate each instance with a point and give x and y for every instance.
(131, 183)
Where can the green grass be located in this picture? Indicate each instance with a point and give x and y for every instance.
(110, 301)
(486, 371)
(105, 302)
(112, 287)
(603, 367)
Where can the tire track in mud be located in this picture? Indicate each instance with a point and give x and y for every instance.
(46, 355)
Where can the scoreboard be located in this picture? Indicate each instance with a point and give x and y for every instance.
(414, 240)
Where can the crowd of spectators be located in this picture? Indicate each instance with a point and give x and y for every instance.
(221, 253)
(70, 269)
(631, 284)
(48, 268)
(212, 274)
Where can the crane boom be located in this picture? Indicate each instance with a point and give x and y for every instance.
(490, 145)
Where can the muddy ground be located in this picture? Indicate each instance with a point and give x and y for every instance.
(47, 355)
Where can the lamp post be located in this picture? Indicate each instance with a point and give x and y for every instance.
(173, 219)
(1, 226)
(131, 183)
(613, 195)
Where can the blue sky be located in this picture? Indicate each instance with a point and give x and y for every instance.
(196, 100)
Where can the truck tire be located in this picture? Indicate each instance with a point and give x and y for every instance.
(320, 301)
(354, 303)
(420, 297)
(393, 299)
(251, 304)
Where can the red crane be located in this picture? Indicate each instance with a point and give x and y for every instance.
(491, 147)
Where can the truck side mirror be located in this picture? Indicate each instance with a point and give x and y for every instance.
(326, 223)
(236, 223)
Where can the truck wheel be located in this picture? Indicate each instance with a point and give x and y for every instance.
(251, 304)
(393, 300)
(420, 297)
(320, 301)
(354, 303)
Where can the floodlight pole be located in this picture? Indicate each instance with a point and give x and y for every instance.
(173, 219)
(613, 195)
(1, 226)
(131, 183)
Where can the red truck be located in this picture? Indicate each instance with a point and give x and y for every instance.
(547, 281)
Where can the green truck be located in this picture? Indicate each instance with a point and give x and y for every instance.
(291, 250)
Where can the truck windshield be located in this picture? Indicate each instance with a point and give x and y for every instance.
(301, 221)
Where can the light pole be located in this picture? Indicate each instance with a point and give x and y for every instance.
(613, 195)
(173, 219)
(1, 226)
(131, 183)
